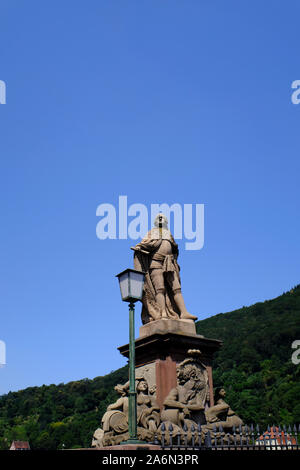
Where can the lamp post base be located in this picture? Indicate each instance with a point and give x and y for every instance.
(133, 441)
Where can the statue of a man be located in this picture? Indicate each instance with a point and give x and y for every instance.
(157, 255)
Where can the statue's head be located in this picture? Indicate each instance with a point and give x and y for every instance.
(181, 378)
(219, 393)
(141, 384)
(161, 221)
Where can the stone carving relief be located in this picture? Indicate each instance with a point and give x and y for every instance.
(115, 419)
(185, 406)
(221, 415)
(187, 401)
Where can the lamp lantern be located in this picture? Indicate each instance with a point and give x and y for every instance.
(131, 285)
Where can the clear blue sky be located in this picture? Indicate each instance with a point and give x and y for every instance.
(173, 101)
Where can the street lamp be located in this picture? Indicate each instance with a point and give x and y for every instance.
(131, 287)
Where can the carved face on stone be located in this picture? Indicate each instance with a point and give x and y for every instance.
(97, 438)
(142, 386)
(220, 393)
(181, 377)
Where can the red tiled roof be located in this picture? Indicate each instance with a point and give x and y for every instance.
(281, 437)
(16, 445)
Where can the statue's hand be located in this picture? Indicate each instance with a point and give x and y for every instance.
(137, 248)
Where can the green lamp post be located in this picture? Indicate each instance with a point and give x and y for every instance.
(131, 287)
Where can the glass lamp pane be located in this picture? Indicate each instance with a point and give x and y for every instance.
(136, 285)
(124, 280)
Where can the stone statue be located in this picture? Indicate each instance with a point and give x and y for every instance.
(97, 440)
(157, 255)
(221, 415)
(115, 419)
(148, 412)
(167, 358)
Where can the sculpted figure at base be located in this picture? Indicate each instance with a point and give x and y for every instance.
(221, 415)
(115, 419)
(97, 440)
(185, 407)
(148, 412)
(157, 255)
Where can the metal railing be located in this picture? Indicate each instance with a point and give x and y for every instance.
(239, 438)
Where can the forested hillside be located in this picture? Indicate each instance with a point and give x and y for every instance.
(254, 366)
(55, 415)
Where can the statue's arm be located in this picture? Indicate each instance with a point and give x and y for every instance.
(230, 412)
(148, 244)
(195, 406)
(221, 405)
(172, 400)
(214, 411)
(139, 249)
(115, 406)
(174, 404)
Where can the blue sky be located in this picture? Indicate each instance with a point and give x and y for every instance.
(173, 101)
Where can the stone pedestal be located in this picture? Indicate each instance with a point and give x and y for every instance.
(162, 345)
(181, 327)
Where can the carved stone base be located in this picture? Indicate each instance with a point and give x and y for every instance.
(174, 389)
(159, 349)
